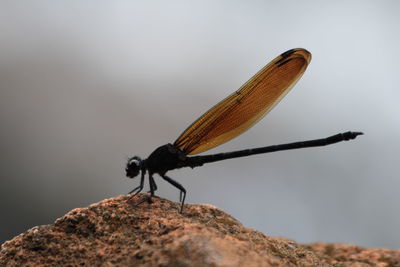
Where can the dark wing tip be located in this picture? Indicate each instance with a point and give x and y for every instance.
(288, 53)
(294, 53)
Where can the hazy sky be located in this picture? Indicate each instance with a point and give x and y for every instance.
(85, 85)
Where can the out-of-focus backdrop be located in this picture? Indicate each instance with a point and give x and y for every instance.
(86, 84)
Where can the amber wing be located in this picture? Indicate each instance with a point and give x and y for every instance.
(242, 109)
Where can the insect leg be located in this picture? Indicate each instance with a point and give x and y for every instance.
(151, 181)
(177, 185)
(153, 185)
(138, 189)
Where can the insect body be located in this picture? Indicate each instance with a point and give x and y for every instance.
(228, 119)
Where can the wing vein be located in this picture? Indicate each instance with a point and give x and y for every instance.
(247, 105)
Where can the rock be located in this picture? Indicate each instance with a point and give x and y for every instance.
(115, 232)
(351, 255)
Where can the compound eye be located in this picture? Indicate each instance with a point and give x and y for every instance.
(134, 162)
(133, 167)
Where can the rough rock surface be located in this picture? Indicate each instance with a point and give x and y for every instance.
(115, 232)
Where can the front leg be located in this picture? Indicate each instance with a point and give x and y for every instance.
(177, 185)
(138, 189)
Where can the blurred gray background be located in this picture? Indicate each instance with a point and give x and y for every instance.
(86, 84)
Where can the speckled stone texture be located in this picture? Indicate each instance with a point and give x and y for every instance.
(115, 232)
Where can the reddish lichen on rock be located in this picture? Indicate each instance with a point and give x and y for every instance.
(115, 232)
